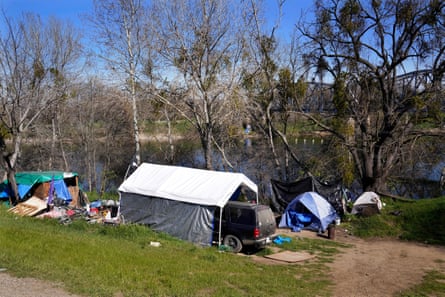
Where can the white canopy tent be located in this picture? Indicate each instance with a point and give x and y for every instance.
(179, 200)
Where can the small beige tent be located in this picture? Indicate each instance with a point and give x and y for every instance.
(367, 204)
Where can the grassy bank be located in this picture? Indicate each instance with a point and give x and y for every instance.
(417, 220)
(97, 260)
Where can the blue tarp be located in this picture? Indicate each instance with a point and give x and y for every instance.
(5, 190)
(62, 191)
(308, 211)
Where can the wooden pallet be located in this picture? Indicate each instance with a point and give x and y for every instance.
(30, 207)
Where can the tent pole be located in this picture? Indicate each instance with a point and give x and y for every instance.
(220, 224)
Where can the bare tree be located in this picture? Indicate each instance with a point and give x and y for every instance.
(121, 32)
(63, 71)
(271, 80)
(32, 74)
(102, 141)
(200, 44)
(374, 51)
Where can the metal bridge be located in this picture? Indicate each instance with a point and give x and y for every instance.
(320, 99)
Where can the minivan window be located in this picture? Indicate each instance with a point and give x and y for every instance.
(265, 216)
(242, 216)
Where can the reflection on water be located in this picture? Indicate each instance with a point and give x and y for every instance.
(251, 156)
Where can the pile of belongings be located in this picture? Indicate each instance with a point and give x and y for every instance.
(47, 208)
(99, 211)
(57, 195)
(104, 211)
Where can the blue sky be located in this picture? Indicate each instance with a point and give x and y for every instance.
(66, 9)
(72, 9)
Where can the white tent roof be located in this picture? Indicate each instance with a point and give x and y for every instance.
(369, 198)
(197, 186)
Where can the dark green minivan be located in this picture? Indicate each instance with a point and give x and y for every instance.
(245, 225)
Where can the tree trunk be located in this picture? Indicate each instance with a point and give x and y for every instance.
(135, 122)
(171, 147)
(375, 171)
(207, 147)
(14, 198)
(375, 184)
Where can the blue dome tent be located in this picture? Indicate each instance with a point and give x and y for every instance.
(308, 211)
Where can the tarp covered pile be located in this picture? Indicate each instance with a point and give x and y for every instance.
(50, 185)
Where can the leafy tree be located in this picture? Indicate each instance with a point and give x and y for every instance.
(386, 61)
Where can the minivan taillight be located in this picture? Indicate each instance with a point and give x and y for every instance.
(256, 233)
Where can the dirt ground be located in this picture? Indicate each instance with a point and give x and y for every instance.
(377, 267)
(28, 287)
(369, 268)
(382, 267)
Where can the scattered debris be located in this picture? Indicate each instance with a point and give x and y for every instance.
(100, 211)
(225, 248)
(280, 239)
(395, 212)
(155, 243)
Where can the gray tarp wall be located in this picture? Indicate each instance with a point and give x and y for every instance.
(186, 221)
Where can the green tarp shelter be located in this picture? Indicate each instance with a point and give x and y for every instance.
(28, 180)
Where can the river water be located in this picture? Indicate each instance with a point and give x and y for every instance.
(252, 157)
(418, 177)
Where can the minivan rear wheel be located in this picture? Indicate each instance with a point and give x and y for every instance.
(233, 242)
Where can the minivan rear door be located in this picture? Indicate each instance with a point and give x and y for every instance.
(266, 222)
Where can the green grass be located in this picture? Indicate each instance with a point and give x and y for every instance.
(98, 260)
(417, 220)
(93, 196)
(424, 221)
(433, 284)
